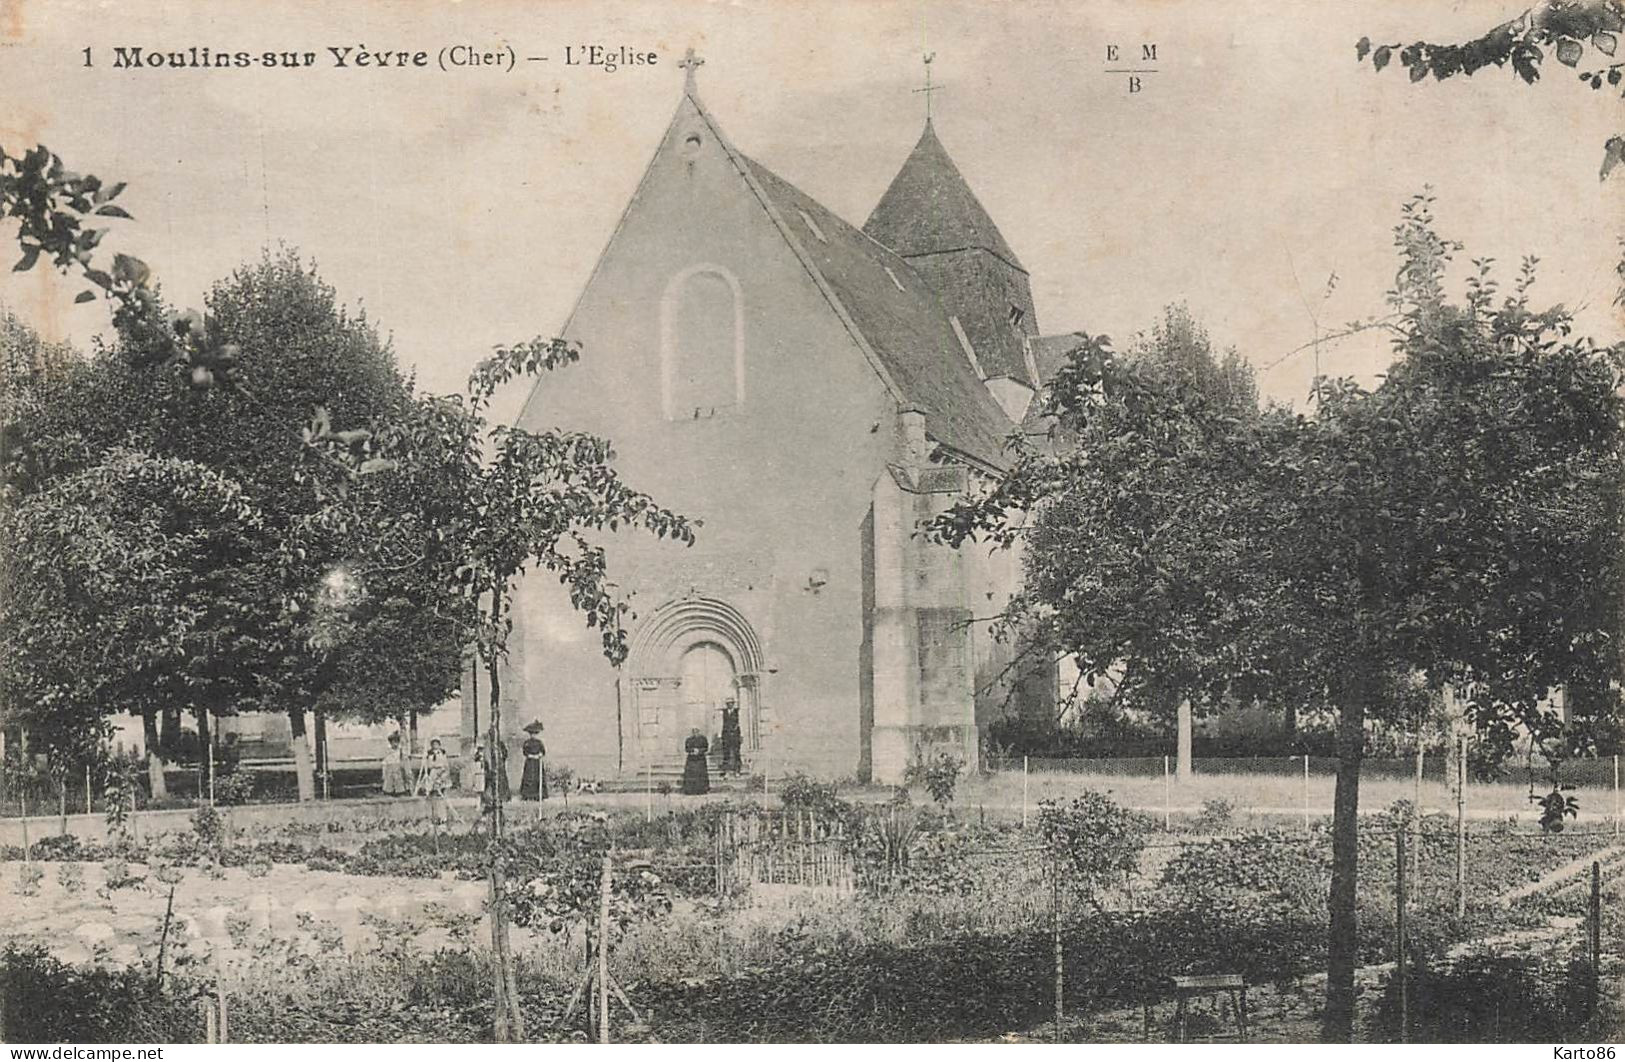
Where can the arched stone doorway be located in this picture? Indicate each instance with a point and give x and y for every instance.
(685, 663)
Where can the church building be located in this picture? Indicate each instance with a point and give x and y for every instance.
(809, 392)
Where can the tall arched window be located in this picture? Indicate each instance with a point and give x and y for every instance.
(702, 344)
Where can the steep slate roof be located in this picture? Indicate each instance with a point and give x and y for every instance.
(929, 209)
(907, 329)
(1050, 353)
(906, 333)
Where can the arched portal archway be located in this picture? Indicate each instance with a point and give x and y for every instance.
(686, 661)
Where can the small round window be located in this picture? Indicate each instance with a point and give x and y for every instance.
(691, 144)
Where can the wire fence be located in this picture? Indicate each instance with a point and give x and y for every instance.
(900, 923)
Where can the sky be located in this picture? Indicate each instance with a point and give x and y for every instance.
(466, 208)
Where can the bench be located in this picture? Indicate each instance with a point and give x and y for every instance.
(1187, 988)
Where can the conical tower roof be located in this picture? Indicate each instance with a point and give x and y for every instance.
(930, 209)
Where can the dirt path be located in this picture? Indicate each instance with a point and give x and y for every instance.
(1559, 874)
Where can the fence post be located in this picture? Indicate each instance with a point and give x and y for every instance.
(1594, 926)
(1024, 792)
(211, 768)
(1055, 923)
(1399, 934)
(220, 1001)
(1306, 792)
(1616, 787)
(1461, 827)
(1416, 823)
(88, 807)
(603, 953)
(1167, 797)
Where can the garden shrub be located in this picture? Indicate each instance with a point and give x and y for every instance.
(939, 776)
(1489, 999)
(209, 826)
(47, 1001)
(234, 788)
(1215, 817)
(1098, 840)
(802, 792)
(1283, 871)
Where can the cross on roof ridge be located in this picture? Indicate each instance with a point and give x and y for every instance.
(690, 64)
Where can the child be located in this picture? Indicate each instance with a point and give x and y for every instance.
(395, 768)
(434, 778)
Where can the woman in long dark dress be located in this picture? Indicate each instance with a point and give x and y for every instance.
(696, 775)
(533, 784)
(732, 739)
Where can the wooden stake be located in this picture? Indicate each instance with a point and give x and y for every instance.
(1306, 792)
(1055, 928)
(1399, 934)
(1594, 913)
(163, 938)
(1024, 779)
(1461, 827)
(1167, 798)
(220, 999)
(1416, 822)
(603, 952)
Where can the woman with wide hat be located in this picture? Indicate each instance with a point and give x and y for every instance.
(533, 784)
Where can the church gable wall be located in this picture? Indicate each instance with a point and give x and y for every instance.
(773, 445)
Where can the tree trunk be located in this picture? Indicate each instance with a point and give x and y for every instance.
(1183, 769)
(509, 1020)
(155, 759)
(1342, 948)
(204, 751)
(1289, 722)
(170, 738)
(412, 729)
(301, 755)
(322, 766)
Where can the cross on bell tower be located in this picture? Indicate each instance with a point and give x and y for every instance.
(690, 64)
(929, 88)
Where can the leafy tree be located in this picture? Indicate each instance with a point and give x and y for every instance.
(508, 501)
(261, 651)
(1178, 356)
(1566, 27)
(500, 500)
(1461, 520)
(103, 594)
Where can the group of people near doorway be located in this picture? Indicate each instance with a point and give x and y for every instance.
(434, 769)
(696, 768)
(433, 778)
